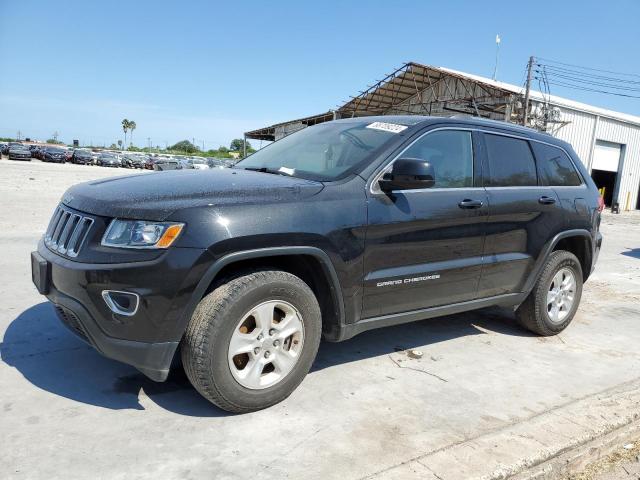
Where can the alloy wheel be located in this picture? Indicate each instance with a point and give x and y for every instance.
(266, 344)
(561, 295)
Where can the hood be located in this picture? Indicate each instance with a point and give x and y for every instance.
(155, 196)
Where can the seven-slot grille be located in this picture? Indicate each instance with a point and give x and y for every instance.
(67, 231)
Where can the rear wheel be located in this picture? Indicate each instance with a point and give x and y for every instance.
(252, 340)
(554, 300)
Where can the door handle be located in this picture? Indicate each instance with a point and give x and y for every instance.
(467, 203)
(544, 200)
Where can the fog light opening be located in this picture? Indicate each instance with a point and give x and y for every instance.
(121, 303)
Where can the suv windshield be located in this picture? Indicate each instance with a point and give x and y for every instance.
(323, 152)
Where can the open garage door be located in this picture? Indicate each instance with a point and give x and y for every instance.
(604, 169)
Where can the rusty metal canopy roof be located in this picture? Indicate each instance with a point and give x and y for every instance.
(413, 78)
(464, 94)
(268, 133)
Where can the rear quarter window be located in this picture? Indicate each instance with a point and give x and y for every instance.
(556, 168)
(511, 162)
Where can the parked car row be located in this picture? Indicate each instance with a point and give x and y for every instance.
(110, 158)
(168, 162)
(46, 153)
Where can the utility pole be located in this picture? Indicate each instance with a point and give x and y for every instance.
(19, 135)
(149, 142)
(525, 118)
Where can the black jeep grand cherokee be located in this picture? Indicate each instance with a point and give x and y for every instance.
(336, 229)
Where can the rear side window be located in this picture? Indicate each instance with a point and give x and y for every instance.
(556, 168)
(511, 163)
(451, 154)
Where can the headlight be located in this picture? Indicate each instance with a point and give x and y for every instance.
(141, 234)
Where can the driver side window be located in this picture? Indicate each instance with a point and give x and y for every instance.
(450, 152)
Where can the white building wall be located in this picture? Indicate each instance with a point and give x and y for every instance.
(585, 128)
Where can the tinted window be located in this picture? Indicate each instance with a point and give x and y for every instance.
(451, 154)
(511, 162)
(556, 169)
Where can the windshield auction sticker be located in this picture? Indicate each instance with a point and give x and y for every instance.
(387, 127)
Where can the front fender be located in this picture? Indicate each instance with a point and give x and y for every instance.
(230, 258)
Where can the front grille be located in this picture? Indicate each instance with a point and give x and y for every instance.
(67, 231)
(69, 318)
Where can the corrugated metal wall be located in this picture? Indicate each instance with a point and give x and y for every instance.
(582, 131)
(578, 132)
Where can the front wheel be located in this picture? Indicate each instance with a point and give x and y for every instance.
(554, 300)
(252, 341)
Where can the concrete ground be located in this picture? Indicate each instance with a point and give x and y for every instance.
(486, 400)
(622, 464)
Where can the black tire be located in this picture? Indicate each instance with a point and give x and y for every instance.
(533, 314)
(206, 341)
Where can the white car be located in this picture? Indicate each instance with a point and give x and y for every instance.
(199, 163)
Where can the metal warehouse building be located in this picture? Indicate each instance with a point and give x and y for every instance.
(608, 142)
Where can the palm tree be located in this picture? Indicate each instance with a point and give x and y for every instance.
(125, 127)
(132, 127)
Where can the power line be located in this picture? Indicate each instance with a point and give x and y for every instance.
(579, 87)
(581, 79)
(588, 68)
(568, 71)
(588, 82)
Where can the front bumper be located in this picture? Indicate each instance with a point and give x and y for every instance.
(151, 358)
(148, 339)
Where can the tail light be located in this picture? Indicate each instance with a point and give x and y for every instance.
(600, 203)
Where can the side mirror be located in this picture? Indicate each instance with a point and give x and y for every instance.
(408, 174)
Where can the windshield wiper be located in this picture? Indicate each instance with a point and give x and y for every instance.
(273, 171)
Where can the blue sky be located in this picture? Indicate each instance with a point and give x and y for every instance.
(212, 70)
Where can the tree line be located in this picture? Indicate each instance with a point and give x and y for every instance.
(185, 147)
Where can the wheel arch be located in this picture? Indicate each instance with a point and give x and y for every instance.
(311, 264)
(580, 246)
(577, 241)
